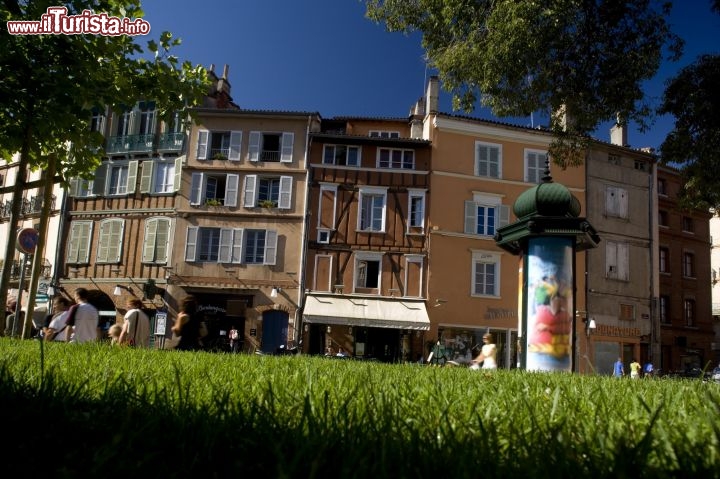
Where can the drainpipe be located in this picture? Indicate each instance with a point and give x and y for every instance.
(303, 245)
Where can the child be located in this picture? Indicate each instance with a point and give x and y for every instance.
(114, 333)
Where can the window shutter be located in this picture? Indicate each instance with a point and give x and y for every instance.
(151, 227)
(470, 217)
(482, 160)
(494, 163)
(504, 215)
(73, 186)
(231, 190)
(270, 246)
(134, 124)
(610, 200)
(622, 203)
(235, 142)
(161, 240)
(202, 144)
(103, 242)
(116, 236)
(146, 176)
(177, 182)
(623, 262)
(285, 192)
(237, 245)
(191, 243)
(611, 259)
(99, 185)
(249, 191)
(254, 146)
(196, 188)
(132, 176)
(288, 139)
(84, 242)
(225, 252)
(73, 249)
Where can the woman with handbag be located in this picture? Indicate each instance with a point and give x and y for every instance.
(136, 326)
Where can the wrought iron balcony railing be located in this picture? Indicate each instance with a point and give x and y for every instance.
(30, 206)
(130, 143)
(171, 141)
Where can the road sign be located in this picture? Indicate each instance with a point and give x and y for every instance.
(27, 239)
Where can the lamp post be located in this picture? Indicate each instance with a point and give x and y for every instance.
(546, 237)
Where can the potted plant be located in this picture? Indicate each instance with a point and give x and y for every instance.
(268, 204)
(213, 202)
(219, 156)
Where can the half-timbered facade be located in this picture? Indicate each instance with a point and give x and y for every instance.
(367, 239)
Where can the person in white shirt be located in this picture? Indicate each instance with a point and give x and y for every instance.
(58, 323)
(136, 326)
(83, 324)
(487, 354)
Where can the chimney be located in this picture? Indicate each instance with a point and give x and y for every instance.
(431, 95)
(223, 85)
(563, 117)
(618, 133)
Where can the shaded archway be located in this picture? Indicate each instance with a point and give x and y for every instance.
(274, 330)
(105, 306)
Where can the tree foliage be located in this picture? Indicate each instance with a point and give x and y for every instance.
(589, 57)
(50, 83)
(693, 98)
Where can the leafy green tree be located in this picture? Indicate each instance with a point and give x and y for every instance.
(51, 83)
(693, 98)
(588, 58)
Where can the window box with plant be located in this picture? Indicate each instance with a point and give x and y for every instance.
(213, 202)
(219, 156)
(267, 204)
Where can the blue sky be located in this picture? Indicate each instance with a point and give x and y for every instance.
(325, 56)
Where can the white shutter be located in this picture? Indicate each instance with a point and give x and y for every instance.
(504, 215)
(231, 190)
(622, 203)
(196, 184)
(623, 262)
(285, 197)
(202, 144)
(162, 238)
(610, 195)
(470, 217)
(254, 146)
(237, 245)
(151, 227)
(99, 184)
(146, 176)
(73, 186)
(249, 191)
(74, 243)
(84, 241)
(286, 150)
(235, 142)
(482, 160)
(191, 243)
(177, 182)
(611, 259)
(494, 166)
(103, 242)
(116, 240)
(132, 176)
(226, 238)
(270, 247)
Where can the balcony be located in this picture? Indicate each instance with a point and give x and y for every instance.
(130, 144)
(171, 142)
(45, 271)
(30, 206)
(268, 155)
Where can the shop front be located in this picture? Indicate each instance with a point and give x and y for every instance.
(462, 343)
(365, 327)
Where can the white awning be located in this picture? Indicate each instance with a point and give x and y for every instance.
(366, 312)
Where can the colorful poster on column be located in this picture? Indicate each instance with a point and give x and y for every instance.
(549, 304)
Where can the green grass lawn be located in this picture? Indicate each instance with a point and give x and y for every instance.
(96, 410)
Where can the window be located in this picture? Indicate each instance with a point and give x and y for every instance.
(81, 188)
(371, 215)
(123, 127)
(231, 245)
(640, 165)
(416, 211)
(327, 206)
(663, 218)
(341, 155)
(78, 251)
(664, 260)
(368, 268)
(147, 118)
(214, 189)
(268, 191)
(488, 160)
(614, 159)
(689, 265)
(485, 274)
(485, 214)
(414, 275)
(662, 187)
(664, 309)
(627, 312)
(616, 202)
(97, 121)
(323, 236)
(110, 241)
(689, 312)
(687, 224)
(617, 261)
(157, 237)
(218, 145)
(160, 176)
(534, 165)
(115, 178)
(384, 134)
(271, 146)
(396, 159)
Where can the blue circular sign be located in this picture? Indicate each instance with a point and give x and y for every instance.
(27, 240)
